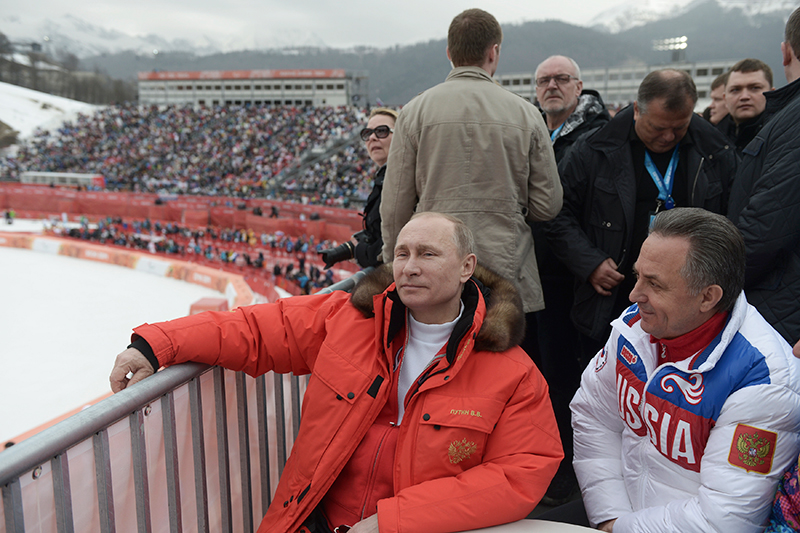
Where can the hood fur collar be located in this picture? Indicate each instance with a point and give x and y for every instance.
(503, 327)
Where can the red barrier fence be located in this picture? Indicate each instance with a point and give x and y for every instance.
(41, 201)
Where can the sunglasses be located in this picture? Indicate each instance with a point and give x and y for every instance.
(381, 132)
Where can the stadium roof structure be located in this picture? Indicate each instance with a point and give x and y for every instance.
(261, 74)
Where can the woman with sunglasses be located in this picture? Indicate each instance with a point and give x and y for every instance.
(378, 137)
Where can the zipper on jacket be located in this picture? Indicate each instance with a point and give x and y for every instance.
(372, 473)
(426, 375)
(696, 177)
(422, 378)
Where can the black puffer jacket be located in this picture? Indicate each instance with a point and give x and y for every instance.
(590, 114)
(596, 221)
(368, 249)
(765, 206)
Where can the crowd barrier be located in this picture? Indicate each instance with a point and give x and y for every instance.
(41, 201)
(191, 448)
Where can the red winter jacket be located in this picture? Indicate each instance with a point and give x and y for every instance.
(478, 445)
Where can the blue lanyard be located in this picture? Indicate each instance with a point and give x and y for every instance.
(664, 183)
(556, 132)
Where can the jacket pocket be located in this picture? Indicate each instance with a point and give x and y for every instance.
(605, 219)
(452, 434)
(335, 390)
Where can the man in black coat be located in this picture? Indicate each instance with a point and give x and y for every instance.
(652, 156)
(747, 82)
(569, 112)
(765, 200)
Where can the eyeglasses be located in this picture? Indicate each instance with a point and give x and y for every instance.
(381, 132)
(561, 79)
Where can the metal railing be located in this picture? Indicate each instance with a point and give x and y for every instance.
(191, 448)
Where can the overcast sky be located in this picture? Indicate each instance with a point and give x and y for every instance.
(337, 23)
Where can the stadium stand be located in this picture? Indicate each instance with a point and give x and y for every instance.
(308, 155)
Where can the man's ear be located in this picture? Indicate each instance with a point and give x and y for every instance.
(786, 52)
(468, 267)
(447, 52)
(711, 297)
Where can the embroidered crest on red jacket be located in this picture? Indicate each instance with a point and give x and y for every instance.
(752, 449)
(459, 451)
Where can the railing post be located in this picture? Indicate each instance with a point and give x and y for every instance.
(105, 494)
(62, 493)
(199, 454)
(12, 507)
(244, 450)
(280, 422)
(222, 450)
(263, 442)
(140, 481)
(295, 388)
(171, 458)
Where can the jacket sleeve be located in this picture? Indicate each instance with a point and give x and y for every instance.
(399, 197)
(597, 429)
(565, 233)
(521, 458)
(731, 499)
(284, 336)
(545, 195)
(765, 202)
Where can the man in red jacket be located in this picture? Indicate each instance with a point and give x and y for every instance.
(421, 414)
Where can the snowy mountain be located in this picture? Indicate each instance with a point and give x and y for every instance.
(84, 39)
(635, 13)
(71, 34)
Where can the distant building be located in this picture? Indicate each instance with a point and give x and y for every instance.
(308, 87)
(618, 85)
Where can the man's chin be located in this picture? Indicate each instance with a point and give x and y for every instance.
(646, 322)
(555, 106)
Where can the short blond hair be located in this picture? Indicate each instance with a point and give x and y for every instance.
(383, 111)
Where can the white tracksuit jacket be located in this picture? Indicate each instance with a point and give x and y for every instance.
(694, 446)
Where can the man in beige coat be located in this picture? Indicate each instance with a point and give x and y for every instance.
(472, 149)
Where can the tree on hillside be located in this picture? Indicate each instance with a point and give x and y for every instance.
(5, 45)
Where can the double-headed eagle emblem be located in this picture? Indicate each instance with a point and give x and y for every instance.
(459, 451)
(752, 449)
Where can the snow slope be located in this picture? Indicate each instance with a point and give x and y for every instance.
(25, 110)
(62, 323)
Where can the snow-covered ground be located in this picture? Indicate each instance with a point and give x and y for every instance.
(25, 110)
(62, 322)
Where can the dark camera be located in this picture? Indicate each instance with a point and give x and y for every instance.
(343, 252)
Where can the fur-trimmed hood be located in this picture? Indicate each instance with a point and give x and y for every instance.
(504, 325)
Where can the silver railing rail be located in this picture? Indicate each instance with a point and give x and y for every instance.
(191, 448)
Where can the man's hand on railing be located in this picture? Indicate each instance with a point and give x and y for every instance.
(131, 366)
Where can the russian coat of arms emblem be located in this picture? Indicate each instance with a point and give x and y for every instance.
(459, 451)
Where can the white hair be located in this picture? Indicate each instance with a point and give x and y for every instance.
(572, 62)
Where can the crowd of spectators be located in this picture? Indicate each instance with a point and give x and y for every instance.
(225, 151)
(335, 180)
(291, 257)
